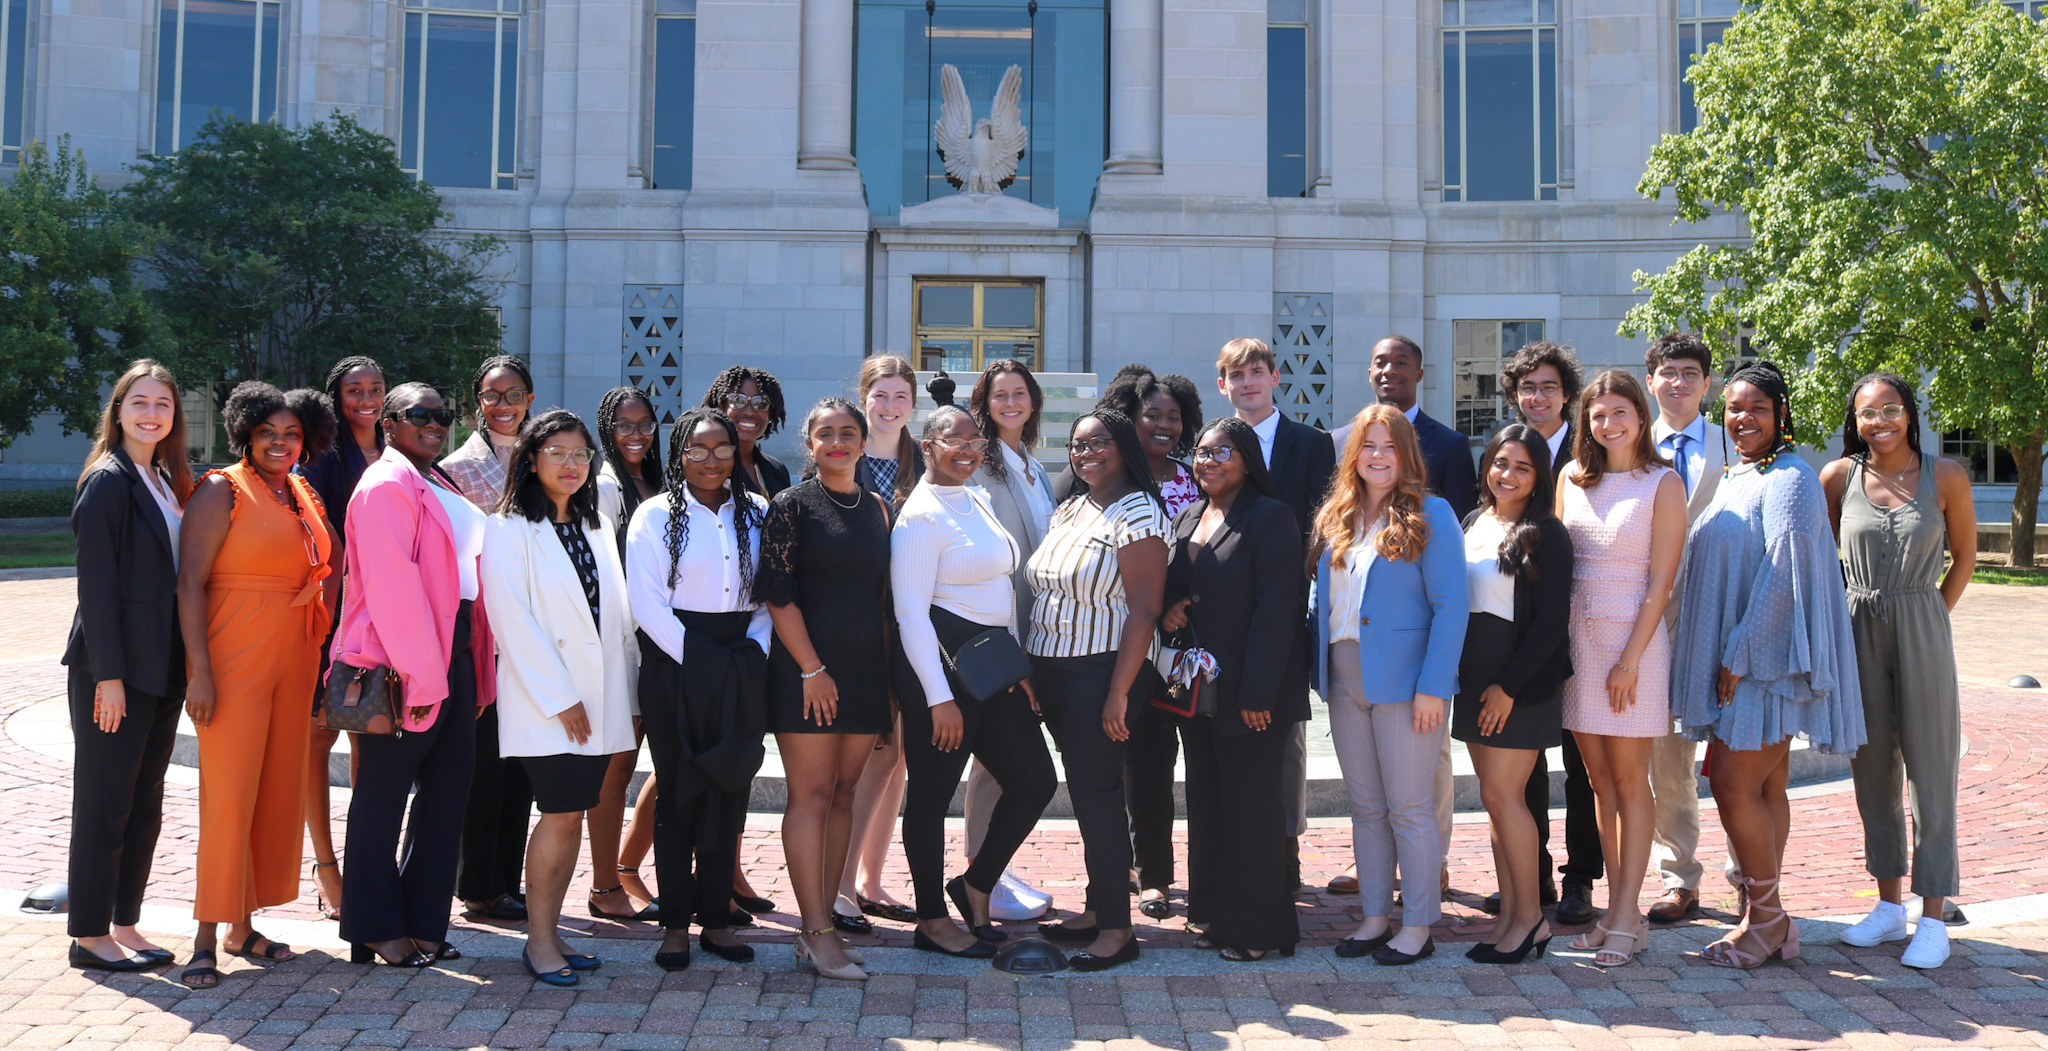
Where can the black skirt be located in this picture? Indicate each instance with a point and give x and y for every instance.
(1535, 722)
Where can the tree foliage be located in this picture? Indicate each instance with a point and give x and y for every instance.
(1891, 160)
(70, 313)
(283, 249)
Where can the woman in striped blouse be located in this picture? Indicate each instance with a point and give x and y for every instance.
(1099, 576)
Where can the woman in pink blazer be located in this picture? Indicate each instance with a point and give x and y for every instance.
(412, 545)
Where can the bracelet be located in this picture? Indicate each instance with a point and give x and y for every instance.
(813, 674)
(1617, 664)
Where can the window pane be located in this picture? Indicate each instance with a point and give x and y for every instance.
(409, 117)
(166, 76)
(219, 67)
(1497, 12)
(508, 100)
(951, 306)
(1450, 15)
(1454, 116)
(1499, 83)
(675, 94)
(14, 66)
(461, 56)
(1720, 8)
(1546, 111)
(1009, 307)
(266, 80)
(1286, 111)
(953, 355)
(1688, 50)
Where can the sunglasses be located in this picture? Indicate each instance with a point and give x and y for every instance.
(699, 454)
(736, 402)
(420, 417)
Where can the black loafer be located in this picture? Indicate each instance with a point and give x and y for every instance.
(756, 906)
(1157, 908)
(157, 956)
(956, 889)
(503, 907)
(1060, 932)
(673, 961)
(1088, 961)
(86, 959)
(980, 950)
(1353, 948)
(893, 913)
(1388, 956)
(737, 952)
(853, 924)
(740, 918)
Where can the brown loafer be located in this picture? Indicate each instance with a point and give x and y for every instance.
(1344, 885)
(1676, 904)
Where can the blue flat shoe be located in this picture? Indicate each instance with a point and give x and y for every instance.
(560, 979)
(582, 961)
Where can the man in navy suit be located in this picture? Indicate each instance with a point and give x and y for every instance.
(1396, 375)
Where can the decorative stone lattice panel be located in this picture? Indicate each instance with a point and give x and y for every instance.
(1301, 342)
(653, 352)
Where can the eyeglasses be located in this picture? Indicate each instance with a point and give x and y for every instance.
(1548, 390)
(420, 417)
(699, 454)
(515, 396)
(978, 445)
(1215, 453)
(1091, 447)
(736, 402)
(1888, 413)
(636, 430)
(559, 455)
(1670, 375)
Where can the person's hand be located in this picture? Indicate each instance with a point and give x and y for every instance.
(1175, 617)
(821, 698)
(109, 704)
(1724, 687)
(947, 726)
(1429, 713)
(1031, 695)
(1113, 717)
(1494, 708)
(576, 723)
(1621, 688)
(1256, 720)
(199, 698)
(418, 713)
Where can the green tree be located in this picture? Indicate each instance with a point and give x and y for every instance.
(71, 315)
(1891, 160)
(283, 249)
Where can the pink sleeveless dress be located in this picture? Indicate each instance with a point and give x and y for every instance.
(1610, 527)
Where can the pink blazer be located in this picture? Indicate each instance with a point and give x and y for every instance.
(402, 592)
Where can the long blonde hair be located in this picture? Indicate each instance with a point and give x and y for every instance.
(170, 450)
(891, 366)
(1341, 519)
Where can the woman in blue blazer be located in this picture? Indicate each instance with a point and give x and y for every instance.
(1390, 582)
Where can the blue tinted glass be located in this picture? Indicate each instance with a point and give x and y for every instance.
(1009, 307)
(409, 115)
(266, 68)
(1688, 50)
(1286, 111)
(461, 60)
(14, 64)
(1546, 109)
(219, 68)
(675, 93)
(952, 306)
(1500, 113)
(1454, 116)
(508, 98)
(166, 76)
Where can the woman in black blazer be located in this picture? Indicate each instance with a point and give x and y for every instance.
(1235, 587)
(127, 661)
(1518, 568)
(752, 399)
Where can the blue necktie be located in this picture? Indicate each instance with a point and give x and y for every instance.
(1681, 461)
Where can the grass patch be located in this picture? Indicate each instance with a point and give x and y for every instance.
(36, 550)
(35, 503)
(1990, 574)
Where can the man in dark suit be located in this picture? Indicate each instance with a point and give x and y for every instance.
(1396, 375)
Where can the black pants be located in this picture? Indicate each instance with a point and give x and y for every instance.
(386, 894)
(1003, 733)
(117, 802)
(495, 825)
(1070, 692)
(1156, 741)
(1582, 859)
(693, 865)
(1239, 879)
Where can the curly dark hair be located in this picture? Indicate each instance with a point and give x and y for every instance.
(1534, 356)
(524, 495)
(1135, 385)
(730, 381)
(1246, 441)
(607, 441)
(746, 516)
(985, 421)
(254, 401)
(1125, 434)
(1853, 444)
(1518, 547)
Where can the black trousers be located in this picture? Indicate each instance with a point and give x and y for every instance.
(1239, 878)
(117, 803)
(496, 823)
(1582, 859)
(693, 864)
(1156, 741)
(1003, 733)
(1070, 692)
(387, 892)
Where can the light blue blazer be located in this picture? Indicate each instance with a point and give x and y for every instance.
(1412, 622)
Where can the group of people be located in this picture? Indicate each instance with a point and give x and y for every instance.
(533, 605)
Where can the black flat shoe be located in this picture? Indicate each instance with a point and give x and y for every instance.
(737, 952)
(673, 961)
(1157, 908)
(1060, 932)
(756, 906)
(1088, 961)
(360, 953)
(503, 907)
(853, 924)
(1236, 955)
(894, 913)
(1353, 948)
(956, 889)
(651, 912)
(159, 956)
(86, 959)
(1388, 956)
(980, 950)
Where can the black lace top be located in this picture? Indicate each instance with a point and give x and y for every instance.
(831, 561)
(585, 561)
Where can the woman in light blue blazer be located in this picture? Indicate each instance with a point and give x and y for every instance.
(1390, 582)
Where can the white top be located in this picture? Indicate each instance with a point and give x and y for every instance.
(174, 516)
(1037, 488)
(948, 550)
(1492, 591)
(551, 654)
(1695, 449)
(1080, 605)
(468, 524)
(1347, 587)
(1266, 429)
(707, 575)
(1556, 442)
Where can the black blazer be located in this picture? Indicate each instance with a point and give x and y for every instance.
(1250, 607)
(774, 473)
(1303, 459)
(1449, 455)
(126, 626)
(1542, 660)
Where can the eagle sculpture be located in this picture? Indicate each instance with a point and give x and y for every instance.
(980, 157)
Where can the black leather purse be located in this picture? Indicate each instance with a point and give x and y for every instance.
(988, 664)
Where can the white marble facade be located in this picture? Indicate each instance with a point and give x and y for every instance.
(784, 263)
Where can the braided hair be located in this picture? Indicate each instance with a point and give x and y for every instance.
(650, 465)
(1765, 377)
(1125, 434)
(745, 516)
(1246, 441)
(731, 380)
(1853, 444)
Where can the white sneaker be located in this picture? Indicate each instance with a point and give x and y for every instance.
(1886, 923)
(1930, 945)
(1013, 899)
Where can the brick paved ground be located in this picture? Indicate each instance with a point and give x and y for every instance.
(1992, 994)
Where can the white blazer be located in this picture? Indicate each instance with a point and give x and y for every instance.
(550, 657)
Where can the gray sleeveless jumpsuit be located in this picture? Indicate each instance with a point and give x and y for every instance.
(1906, 658)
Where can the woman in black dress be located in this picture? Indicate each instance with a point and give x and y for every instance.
(825, 579)
(1518, 568)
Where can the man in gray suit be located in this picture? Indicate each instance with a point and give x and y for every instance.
(1681, 375)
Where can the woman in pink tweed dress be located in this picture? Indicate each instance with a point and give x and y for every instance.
(1625, 509)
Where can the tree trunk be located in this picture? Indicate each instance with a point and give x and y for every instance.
(2026, 497)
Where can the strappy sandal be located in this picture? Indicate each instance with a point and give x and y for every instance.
(1582, 945)
(198, 976)
(327, 912)
(277, 952)
(1606, 955)
(1763, 899)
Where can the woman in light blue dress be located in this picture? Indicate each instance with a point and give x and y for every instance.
(1764, 649)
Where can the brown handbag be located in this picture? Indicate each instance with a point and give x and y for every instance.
(362, 700)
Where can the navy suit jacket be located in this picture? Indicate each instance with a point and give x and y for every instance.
(1303, 460)
(1449, 455)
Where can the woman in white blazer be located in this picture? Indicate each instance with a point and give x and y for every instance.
(556, 595)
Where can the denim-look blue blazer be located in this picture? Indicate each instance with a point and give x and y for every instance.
(1412, 623)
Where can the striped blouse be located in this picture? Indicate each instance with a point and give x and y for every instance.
(1080, 606)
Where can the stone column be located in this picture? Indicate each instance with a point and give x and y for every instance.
(825, 105)
(1134, 88)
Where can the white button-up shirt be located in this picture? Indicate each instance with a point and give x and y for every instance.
(1695, 453)
(1266, 429)
(707, 575)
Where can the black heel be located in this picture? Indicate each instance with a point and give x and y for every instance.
(360, 952)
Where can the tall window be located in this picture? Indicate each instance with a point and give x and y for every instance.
(213, 56)
(1477, 350)
(673, 71)
(461, 96)
(1286, 100)
(1500, 100)
(1988, 464)
(964, 324)
(1700, 25)
(13, 79)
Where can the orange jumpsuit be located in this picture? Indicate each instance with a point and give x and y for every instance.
(266, 617)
